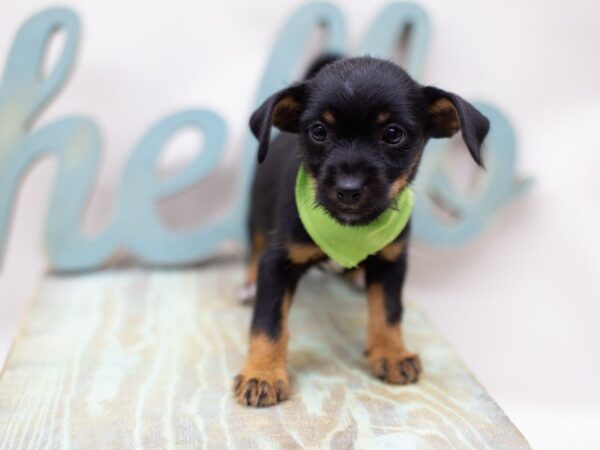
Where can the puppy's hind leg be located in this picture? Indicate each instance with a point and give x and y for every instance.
(247, 293)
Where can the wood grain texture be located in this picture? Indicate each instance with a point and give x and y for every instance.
(140, 359)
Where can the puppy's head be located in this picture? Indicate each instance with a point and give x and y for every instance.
(363, 124)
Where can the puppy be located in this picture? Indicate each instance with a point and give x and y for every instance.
(354, 130)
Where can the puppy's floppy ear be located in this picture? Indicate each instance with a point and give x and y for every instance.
(447, 113)
(282, 110)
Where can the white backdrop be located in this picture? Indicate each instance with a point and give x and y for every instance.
(521, 305)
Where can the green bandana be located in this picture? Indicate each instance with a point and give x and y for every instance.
(349, 245)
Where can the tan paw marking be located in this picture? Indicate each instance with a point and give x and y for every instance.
(259, 390)
(395, 367)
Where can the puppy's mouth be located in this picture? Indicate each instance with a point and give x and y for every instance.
(349, 205)
(352, 215)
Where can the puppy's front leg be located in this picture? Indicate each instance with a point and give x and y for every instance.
(264, 379)
(387, 356)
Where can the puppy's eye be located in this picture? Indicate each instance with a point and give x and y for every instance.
(393, 135)
(318, 131)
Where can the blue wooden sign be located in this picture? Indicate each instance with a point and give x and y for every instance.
(75, 142)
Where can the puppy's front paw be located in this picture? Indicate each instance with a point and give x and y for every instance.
(261, 389)
(395, 366)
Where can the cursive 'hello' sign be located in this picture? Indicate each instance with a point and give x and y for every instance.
(75, 142)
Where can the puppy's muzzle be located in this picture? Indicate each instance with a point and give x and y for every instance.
(349, 190)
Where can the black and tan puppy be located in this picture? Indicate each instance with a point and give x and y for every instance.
(358, 127)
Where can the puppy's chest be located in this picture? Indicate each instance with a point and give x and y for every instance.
(330, 266)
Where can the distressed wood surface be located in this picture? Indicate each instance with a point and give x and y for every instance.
(139, 359)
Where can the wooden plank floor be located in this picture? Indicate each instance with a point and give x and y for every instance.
(137, 359)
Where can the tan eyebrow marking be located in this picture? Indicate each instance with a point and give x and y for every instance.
(383, 117)
(328, 117)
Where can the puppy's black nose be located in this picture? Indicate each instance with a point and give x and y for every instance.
(349, 191)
